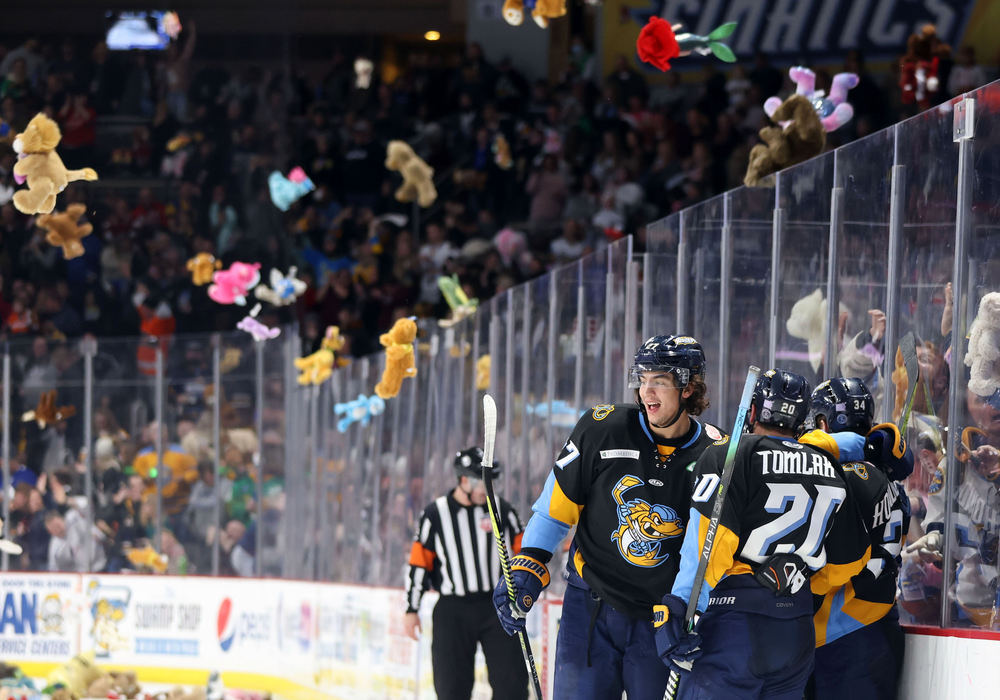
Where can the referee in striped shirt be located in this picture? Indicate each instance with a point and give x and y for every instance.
(454, 552)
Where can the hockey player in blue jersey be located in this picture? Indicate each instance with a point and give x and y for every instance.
(785, 524)
(624, 479)
(859, 643)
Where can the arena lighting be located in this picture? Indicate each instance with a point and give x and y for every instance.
(432, 35)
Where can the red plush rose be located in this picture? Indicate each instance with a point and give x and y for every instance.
(657, 43)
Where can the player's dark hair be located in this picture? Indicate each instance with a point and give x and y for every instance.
(697, 402)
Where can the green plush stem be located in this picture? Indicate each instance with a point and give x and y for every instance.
(722, 52)
(722, 31)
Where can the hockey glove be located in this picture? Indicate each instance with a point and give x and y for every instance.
(530, 577)
(676, 647)
(886, 448)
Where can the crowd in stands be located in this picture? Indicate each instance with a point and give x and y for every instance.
(591, 160)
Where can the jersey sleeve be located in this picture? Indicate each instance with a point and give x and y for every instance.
(423, 559)
(566, 489)
(722, 561)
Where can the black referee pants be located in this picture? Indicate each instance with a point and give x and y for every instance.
(459, 623)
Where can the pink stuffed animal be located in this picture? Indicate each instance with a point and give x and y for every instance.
(233, 285)
(834, 111)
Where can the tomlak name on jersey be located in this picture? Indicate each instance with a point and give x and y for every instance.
(627, 491)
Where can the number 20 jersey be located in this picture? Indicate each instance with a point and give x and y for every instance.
(785, 497)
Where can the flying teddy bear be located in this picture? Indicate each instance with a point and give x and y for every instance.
(834, 111)
(799, 136)
(483, 365)
(541, 11)
(284, 289)
(918, 69)
(317, 367)
(202, 267)
(398, 344)
(418, 177)
(40, 166)
(285, 191)
(46, 412)
(64, 231)
(461, 306)
(233, 285)
(360, 410)
(258, 330)
(983, 355)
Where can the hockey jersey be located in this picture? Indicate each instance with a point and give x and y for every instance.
(627, 491)
(869, 595)
(785, 497)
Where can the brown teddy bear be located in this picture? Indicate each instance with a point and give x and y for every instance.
(46, 412)
(541, 11)
(64, 231)
(418, 177)
(398, 343)
(798, 137)
(919, 68)
(42, 168)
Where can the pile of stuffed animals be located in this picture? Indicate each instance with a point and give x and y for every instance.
(81, 677)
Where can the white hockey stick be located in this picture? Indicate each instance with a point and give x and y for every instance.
(490, 438)
(713, 523)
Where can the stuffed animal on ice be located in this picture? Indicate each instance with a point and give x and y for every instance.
(418, 177)
(360, 410)
(801, 138)
(233, 285)
(983, 355)
(40, 166)
(460, 304)
(398, 344)
(64, 231)
(76, 675)
(541, 11)
(285, 191)
(284, 289)
(918, 69)
(834, 111)
(202, 267)
(258, 330)
(316, 368)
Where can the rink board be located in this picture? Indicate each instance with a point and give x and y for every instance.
(302, 640)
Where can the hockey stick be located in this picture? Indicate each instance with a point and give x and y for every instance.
(908, 349)
(490, 438)
(713, 523)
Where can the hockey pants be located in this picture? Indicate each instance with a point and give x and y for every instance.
(862, 665)
(600, 652)
(750, 657)
(459, 623)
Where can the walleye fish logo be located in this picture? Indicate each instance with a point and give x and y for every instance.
(642, 527)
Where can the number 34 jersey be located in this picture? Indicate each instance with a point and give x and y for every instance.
(785, 497)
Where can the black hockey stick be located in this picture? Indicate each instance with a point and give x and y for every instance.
(908, 349)
(490, 438)
(713, 523)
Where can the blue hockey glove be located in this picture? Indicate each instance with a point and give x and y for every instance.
(530, 577)
(886, 448)
(676, 647)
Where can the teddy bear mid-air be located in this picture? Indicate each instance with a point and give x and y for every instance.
(41, 168)
(64, 231)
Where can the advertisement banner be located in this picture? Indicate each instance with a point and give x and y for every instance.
(40, 618)
(788, 31)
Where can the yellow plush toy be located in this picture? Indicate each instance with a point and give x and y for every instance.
(483, 373)
(398, 343)
(42, 168)
(77, 674)
(146, 559)
(63, 230)
(513, 11)
(202, 267)
(317, 367)
(418, 177)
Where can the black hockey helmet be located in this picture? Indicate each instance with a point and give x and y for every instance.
(781, 399)
(845, 403)
(469, 462)
(680, 355)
